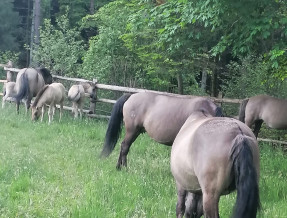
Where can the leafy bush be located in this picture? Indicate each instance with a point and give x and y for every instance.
(60, 48)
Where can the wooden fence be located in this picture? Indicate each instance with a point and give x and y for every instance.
(135, 90)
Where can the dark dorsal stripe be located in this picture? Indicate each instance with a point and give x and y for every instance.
(40, 93)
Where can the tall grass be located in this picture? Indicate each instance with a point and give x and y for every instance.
(55, 171)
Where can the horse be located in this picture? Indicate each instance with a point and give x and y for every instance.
(263, 108)
(49, 95)
(8, 92)
(29, 81)
(213, 156)
(161, 116)
(76, 95)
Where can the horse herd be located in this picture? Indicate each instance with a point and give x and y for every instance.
(211, 155)
(38, 83)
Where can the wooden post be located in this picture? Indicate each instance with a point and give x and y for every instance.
(9, 75)
(93, 100)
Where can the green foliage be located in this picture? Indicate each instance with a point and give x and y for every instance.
(60, 49)
(251, 76)
(107, 59)
(8, 26)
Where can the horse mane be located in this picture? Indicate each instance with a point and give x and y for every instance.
(39, 95)
(46, 74)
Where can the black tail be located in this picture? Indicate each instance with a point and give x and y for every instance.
(24, 90)
(247, 202)
(242, 110)
(219, 112)
(114, 126)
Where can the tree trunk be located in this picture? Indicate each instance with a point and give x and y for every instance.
(35, 28)
(213, 84)
(92, 6)
(180, 83)
(203, 80)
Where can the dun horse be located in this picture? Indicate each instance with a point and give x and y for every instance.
(263, 108)
(213, 156)
(161, 116)
(49, 95)
(76, 95)
(29, 81)
(8, 92)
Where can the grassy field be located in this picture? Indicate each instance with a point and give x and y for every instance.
(55, 171)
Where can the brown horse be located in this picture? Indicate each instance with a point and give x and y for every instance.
(29, 81)
(213, 156)
(263, 108)
(76, 95)
(161, 116)
(49, 95)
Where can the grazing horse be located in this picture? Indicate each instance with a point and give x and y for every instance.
(49, 95)
(76, 95)
(161, 116)
(263, 108)
(29, 81)
(8, 92)
(213, 156)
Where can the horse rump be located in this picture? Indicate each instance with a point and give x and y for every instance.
(246, 179)
(23, 90)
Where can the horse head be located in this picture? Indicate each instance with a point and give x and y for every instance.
(36, 111)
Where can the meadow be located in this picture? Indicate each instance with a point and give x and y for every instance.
(55, 171)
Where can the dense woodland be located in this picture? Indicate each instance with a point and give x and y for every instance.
(234, 47)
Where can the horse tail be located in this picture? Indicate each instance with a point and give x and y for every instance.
(247, 202)
(24, 90)
(114, 126)
(242, 110)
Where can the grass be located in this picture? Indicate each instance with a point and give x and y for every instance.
(55, 171)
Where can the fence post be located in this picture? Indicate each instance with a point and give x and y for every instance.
(93, 101)
(9, 74)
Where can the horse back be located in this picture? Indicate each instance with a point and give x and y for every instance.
(162, 116)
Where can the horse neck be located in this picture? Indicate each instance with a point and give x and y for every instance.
(40, 102)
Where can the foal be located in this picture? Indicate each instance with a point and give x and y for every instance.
(49, 95)
(76, 95)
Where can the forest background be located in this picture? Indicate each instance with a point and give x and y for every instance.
(233, 47)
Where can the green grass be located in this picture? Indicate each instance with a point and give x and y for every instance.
(55, 171)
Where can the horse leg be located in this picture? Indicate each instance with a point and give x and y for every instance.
(130, 137)
(50, 113)
(75, 106)
(28, 103)
(193, 205)
(180, 205)
(81, 109)
(258, 124)
(210, 204)
(17, 106)
(43, 111)
(61, 111)
(3, 100)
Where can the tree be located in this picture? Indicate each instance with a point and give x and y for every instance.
(60, 48)
(8, 26)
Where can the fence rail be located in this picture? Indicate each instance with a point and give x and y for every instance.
(135, 90)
